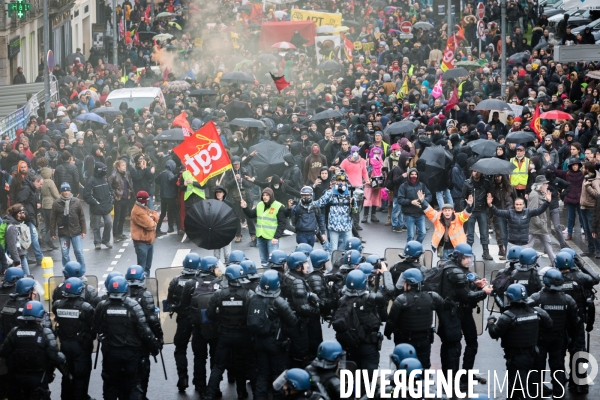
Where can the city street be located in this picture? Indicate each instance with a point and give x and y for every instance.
(169, 251)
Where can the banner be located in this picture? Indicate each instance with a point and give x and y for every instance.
(437, 89)
(348, 48)
(328, 48)
(182, 122)
(319, 18)
(535, 123)
(203, 154)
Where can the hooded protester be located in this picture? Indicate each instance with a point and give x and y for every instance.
(322, 183)
(67, 172)
(373, 187)
(504, 196)
(362, 139)
(458, 179)
(98, 193)
(167, 180)
(313, 164)
(574, 176)
(408, 197)
(235, 182)
(292, 174)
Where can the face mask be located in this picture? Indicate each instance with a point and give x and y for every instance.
(306, 200)
(265, 108)
(413, 179)
(397, 153)
(276, 186)
(315, 151)
(355, 154)
(341, 188)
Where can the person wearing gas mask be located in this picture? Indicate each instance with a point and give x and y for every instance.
(355, 167)
(307, 219)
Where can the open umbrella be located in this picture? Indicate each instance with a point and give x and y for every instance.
(163, 36)
(437, 157)
(327, 114)
(146, 35)
(520, 137)
(243, 64)
(238, 109)
(171, 135)
(283, 46)
(493, 166)
(268, 160)
(175, 25)
(107, 111)
(455, 73)
(492, 104)
(400, 127)
(71, 58)
(352, 23)
(211, 224)
(326, 29)
(165, 14)
(175, 86)
(519, 58)
(237, 77)
(329, 65)
(202, 92)
(555, 114)
(423, 25)
(91, 117)
(593, 74)
(483, 147)
(249, 122)
(468, 64)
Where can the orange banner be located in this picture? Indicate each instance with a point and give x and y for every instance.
(203, 154)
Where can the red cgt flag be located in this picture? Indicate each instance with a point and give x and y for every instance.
(280, 82)
(203, 153)
(535, 123)
(182, 122)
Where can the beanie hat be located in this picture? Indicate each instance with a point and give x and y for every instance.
(65, 186)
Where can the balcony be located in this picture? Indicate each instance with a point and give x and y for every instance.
(59, 6)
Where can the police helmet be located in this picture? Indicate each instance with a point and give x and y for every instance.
(236, 257)
(413, 249)
(318, 258)
(516, 293)
(32, 311)
(401, 352)
(366, 268)
(277, 258)
(24, 286)
(374, 260)
(135, 275)
(269, 285)
(353, 243)
(118, 287)
(298, 379)
(296, 260)
(72, 287)
(353, 258)
(570, 251)
(12, 275)
(249, 268)
(564, 260)
(208, 264)
(413, 277)
(553, 279)
(356, 280)
(109, 277)
(410, 365)
(528, 256)
(192, 261)
(73, 270)
(329, 353)
(304, 248)
(235, 275)
(514, 253)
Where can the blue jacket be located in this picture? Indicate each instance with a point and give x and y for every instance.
(308, 219)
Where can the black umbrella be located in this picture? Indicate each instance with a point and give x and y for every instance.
(67, 79)
(436, 157)
(455, 73)
(202, 92)
(237, 77)
(211, 224)
(269, 159)
(352, 23)
(483, 147)
(327, 114)
(400, 127)
(145, 35)
(238, 109)
(519, 58)
(249, 122)
(493, 166)
(171, 135)
(71, 58)
(492, 104)
(107, 111)
(520, 137)
(329, 65)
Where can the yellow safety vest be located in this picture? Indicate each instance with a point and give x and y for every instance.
(191, 189)
(520, 174)
(266, 221)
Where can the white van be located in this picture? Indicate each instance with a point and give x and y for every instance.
(136, 98)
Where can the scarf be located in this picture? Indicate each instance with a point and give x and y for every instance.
(446, 222)
(67, 201)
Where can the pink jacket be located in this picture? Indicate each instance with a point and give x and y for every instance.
(357, 172)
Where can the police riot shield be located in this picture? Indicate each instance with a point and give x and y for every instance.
(152, 287)
(491, 304)
(164, 276)
(427, 259)
(392, 256)
(478, 310)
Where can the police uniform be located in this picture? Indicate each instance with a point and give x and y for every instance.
(527, 276)
(13, 309)
(89, 294)
(122, 325)
(410, 321)
(74, 319)
(325, 379)
(317, 284)
(397, 269)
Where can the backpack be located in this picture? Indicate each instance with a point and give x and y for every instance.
(259, 322)
(501, 282)
(432, 279)
(24, 235)
(200, 298)
(349, 330)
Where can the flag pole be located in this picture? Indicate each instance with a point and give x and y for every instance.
(236, 183)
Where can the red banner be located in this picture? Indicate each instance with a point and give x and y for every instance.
(535, 123)
(203, 154)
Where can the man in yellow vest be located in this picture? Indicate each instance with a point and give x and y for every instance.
(193, 191)
(270, 223)
(520, 175)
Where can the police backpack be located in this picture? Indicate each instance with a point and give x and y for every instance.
(432, 278)
(259, 322)
(200, 298)
(348, 328)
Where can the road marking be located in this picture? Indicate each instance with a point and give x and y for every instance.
(114, 263)
(125, 244)
(118, 255)
(86, 249)
(105, 275)
(179, 256)
(110, 269)
(121, 250)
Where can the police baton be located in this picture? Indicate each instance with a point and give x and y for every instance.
(97, 352)
(162, 360)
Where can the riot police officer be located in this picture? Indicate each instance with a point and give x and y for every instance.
(336, 278)
(413, 251)
(518, 328)
(576, 284)
(236, 257)
(304, 303)
(382, 278)
(318, 285)
(73, 269)
(31, 355)
(503, 278)
(11, 276)
(268, 317)
(365, 311)
(551, 344)
(352, 243)
(410, 318)
(525, 271)
(136, 278)
(205, 331)
(74, 319)
(122, 329)
(179, 297)
(278, 262)
(461, 289)
(251, 274)
(229, 307)
(13, 308)
(294, 383)
(323, 369)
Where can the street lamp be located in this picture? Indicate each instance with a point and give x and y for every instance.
(504, 47)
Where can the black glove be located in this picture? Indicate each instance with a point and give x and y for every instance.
(313, 299)
(491, 320)
(153, 347)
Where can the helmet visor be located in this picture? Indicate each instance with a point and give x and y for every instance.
(39, 289)
(471, 258)
(279, 383)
